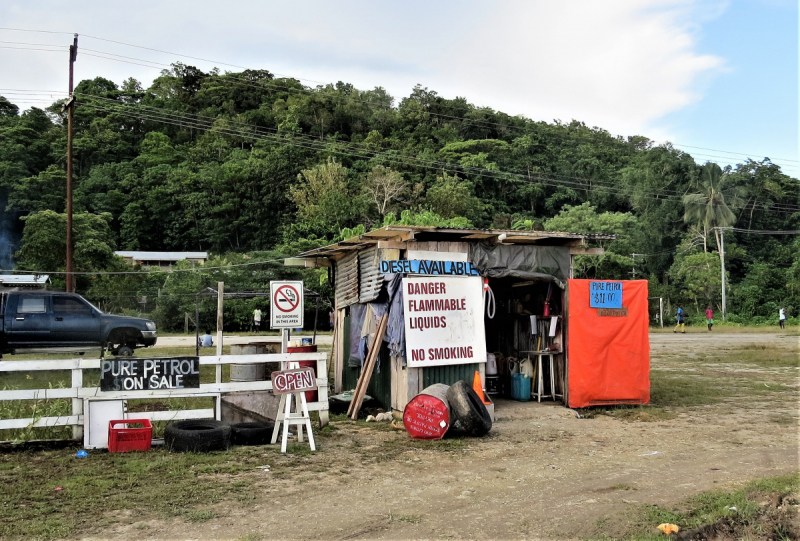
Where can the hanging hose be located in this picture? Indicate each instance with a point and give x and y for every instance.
(488, 296)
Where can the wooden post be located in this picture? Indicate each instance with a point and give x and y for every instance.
(220, 297)
(73, 54)
(186, 323)
(338, 352)
(77, 403)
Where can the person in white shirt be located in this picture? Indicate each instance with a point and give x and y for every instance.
(257, 319)
(782, 317)
(206, 341)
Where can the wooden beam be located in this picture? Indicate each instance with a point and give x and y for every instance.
(306, 262)
(392, 245)
(580, 250)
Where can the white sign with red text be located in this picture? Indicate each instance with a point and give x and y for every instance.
(443, 320)
(293, 381)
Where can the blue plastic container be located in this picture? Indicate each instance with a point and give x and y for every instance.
(520, 387)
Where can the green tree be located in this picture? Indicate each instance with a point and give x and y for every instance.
(697, 278)
(707, 209)
(44, 241)
(450, 197)
(585, 218)
(325, 199)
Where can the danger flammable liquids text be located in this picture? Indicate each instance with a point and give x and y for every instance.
(443, 320)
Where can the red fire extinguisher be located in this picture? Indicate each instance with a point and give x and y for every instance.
(547, 301)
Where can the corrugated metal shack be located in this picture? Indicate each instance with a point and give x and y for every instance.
(521, 268)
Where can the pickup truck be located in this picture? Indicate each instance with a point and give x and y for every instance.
(56, 320)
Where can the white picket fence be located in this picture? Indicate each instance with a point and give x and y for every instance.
(81, 396)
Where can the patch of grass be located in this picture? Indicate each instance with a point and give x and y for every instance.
(410, 519)
(714, 507)
(622, 486)
(669, 389)
(200, 516)
(762, 355)
(300, 449)
(647, 413)
(157, 483)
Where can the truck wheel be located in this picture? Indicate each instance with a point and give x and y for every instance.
(468, 409)
(124, 351)
(251, 433)
(197, 436)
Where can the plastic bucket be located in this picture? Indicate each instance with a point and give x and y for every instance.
(311, 396)
(520, 387)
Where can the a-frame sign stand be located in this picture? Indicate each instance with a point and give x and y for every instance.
(285, 383)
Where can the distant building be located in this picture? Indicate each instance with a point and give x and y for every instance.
(24, 280)
(161, 259)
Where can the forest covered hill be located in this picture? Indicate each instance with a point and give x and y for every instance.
(251, 168)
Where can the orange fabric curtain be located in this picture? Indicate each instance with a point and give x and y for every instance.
(609, 355)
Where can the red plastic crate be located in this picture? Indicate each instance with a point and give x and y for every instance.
(122, 440)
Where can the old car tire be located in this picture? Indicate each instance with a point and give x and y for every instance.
(467, 408)
(124, 351)
(251, 433)
(197, 436)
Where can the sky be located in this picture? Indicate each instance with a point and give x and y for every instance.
(718, 79)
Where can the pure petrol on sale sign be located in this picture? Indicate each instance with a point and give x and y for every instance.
(443, 320)
(286, 304)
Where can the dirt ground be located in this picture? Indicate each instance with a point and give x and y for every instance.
(542, 473)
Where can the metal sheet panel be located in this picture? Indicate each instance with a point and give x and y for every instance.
(449, 374)
(380, 385)
(347, 280)
(370, 278)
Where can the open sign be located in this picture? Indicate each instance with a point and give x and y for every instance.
(293, 381)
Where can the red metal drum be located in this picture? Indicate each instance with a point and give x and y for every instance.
(311, 396)
(427, 415)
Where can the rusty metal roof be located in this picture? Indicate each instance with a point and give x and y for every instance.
(411, 233)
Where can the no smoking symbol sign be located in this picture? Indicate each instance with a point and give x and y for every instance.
(286, 299)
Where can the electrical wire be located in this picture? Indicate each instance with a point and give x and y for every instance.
(461, 119)
(159, 271)
(257, 132)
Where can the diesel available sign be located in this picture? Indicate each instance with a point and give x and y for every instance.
(443, 320)
(150, 374)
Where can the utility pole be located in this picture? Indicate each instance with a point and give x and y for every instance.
(73, 54)
(722, 266)
(633, 262)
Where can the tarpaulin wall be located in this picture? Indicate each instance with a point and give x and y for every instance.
(609, 355)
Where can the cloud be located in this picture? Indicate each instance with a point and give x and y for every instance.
(618, 64)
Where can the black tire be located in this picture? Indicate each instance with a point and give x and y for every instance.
(197, 436)
(467, 408)
(124, 351)
(251, 433)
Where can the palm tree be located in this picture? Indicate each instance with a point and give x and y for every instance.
(708, 209)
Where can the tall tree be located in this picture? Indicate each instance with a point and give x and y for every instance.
(707, 208)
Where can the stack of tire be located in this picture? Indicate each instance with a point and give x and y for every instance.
(468, 410)
(203, 435)
(432, 413)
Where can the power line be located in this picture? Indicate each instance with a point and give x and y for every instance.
(207, 124)
(256, 132)
(37, 31)
(766, 232)
(140, 273)
(475, 121)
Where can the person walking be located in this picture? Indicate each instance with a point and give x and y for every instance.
(782, 317)
(709, 318)
(680, 316)
(257, 319)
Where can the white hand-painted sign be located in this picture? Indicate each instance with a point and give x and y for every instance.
(444, 320)
(293, 381)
